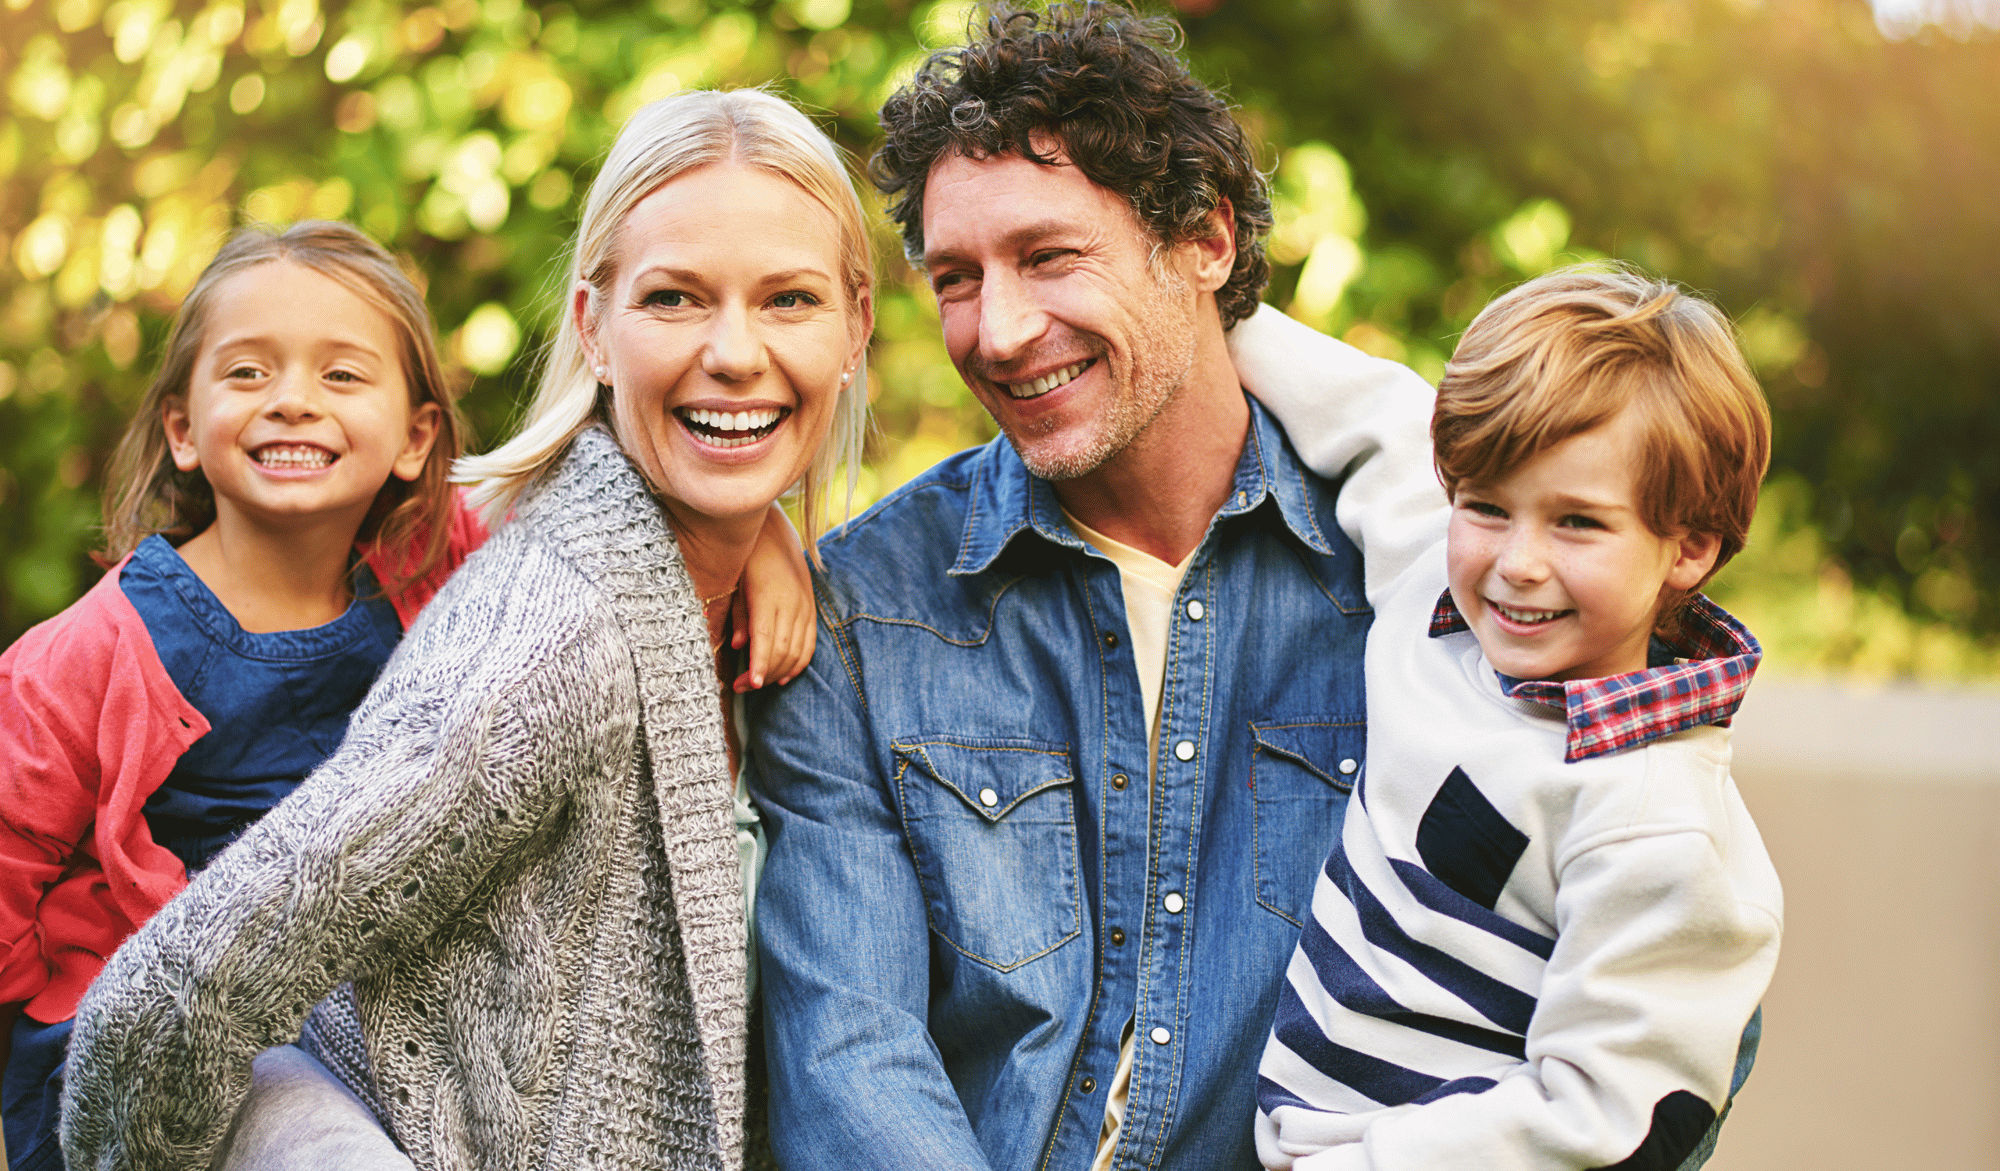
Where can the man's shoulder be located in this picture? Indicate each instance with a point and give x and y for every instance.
(909, 539)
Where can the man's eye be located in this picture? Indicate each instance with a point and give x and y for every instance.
(1050, 255)
(945, 282)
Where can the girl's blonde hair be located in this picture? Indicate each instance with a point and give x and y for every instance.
(147, 494)
(663, 141)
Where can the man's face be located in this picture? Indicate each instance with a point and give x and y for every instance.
(1053, 311)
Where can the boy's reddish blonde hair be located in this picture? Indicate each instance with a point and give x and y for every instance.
(1567, 351)
(147, 494)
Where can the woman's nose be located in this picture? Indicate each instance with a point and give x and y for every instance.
(734, 351)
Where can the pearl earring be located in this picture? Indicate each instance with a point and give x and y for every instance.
(845, 375)
(598, 372)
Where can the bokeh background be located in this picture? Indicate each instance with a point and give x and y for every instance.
(1827, 170)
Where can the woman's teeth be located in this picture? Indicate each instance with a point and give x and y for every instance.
(1046, 382)
(1529, 617)
(731, 428)
(293, 456)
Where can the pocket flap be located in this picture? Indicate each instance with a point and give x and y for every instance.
(1332, 750)
(990, 776)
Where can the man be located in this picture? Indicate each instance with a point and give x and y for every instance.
(1087, 703)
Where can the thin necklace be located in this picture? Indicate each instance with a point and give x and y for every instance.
(714, 644)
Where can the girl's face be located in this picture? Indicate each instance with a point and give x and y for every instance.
(298, 410)
(725, 335)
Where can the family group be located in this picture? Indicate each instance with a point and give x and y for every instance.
(1253, 757)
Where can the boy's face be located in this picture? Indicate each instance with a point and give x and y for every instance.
(1553, 568)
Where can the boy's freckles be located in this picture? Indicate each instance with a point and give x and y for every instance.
(1553, 568)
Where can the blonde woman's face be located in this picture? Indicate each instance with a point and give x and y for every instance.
(726, 336)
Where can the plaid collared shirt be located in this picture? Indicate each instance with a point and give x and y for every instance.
(1702, 680)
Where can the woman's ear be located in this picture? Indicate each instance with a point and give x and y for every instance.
(586, 324)
(1694, 556)
(179, 426)
(864, 314)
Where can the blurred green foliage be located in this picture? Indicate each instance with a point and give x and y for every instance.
(1834, 190)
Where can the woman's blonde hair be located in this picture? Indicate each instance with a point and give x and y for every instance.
(147, 494)
(1565, 352)
(661, 142)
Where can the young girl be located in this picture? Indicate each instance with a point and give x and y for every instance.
(279, 512)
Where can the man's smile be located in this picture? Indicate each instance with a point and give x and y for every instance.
(1036, 388)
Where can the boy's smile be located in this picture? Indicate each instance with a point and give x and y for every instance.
(1553, 568)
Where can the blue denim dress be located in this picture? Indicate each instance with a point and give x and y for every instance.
(277, 704)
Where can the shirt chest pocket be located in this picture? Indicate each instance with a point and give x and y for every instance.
(992, 827)
(1301, 772)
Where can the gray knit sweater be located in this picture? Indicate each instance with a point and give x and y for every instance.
(523, 858)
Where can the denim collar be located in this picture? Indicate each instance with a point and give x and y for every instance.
(1007, 499)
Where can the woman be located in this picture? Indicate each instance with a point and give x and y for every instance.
(524, 854)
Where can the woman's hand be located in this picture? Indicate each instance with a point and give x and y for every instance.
(773, 610)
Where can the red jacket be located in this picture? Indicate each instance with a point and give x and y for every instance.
(90, 725)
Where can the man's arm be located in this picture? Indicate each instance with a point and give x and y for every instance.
(1347, 414)
(856, 1081)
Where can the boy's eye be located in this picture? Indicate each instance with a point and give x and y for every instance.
(1484, 508)
(1578, 521)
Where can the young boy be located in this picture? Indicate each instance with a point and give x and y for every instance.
(1548, 917)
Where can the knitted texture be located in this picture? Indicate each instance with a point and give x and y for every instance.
(523, 858)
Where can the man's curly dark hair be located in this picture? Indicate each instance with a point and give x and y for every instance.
(1106, 84)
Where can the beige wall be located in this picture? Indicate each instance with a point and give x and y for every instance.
(1882, 1028)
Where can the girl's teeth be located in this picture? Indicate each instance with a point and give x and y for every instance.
(293, 457)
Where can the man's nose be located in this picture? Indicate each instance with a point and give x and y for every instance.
(1010, 319)
(734, 351)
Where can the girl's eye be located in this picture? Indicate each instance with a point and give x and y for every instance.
(793, 300)
(241, 372)
(342, 376)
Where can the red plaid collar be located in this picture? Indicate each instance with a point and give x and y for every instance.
(1712, 662)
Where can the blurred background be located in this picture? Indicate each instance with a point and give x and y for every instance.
(1828, 171)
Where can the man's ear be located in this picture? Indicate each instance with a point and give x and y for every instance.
(1694, 556)
(1214, 251)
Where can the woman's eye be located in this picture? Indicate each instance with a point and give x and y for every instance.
(666, 298)
(794, 300)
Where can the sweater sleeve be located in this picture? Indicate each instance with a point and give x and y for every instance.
(1664, 947)
(1353, 416)
(468, 746)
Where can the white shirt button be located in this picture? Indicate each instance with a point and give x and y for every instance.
(1348, 766)
(1195, 609)
(1184, 750)
(989, 798)
(1160, 1036)
(1174, 902)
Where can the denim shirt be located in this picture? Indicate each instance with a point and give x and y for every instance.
(970, 889)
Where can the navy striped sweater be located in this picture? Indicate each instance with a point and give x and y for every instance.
(1515, 962)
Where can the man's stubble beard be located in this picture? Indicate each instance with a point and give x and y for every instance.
(1162, 358)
